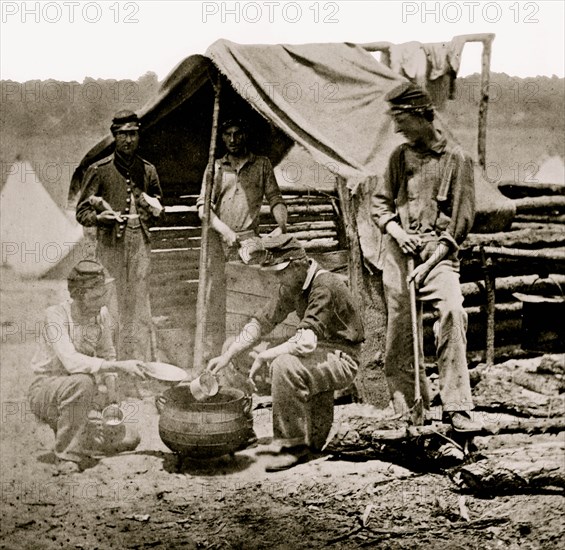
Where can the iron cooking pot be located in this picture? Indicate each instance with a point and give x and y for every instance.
(204, 429)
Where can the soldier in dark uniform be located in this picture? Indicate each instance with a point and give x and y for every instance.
(116, 194)
(321, 357)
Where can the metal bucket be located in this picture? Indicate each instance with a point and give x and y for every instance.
(204, 429)
(543, 320)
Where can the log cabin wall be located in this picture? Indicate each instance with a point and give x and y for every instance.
(313, 219)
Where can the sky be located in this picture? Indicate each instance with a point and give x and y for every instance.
(71, 40)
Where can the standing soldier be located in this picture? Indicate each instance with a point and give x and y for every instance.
(121, 198)
(425, 206)
(241, 180)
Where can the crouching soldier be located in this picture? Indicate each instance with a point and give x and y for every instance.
(306, 369)
(75, 351)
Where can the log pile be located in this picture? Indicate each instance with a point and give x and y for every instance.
(533, 390)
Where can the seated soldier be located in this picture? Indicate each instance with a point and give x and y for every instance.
(76, 345)
(319, 359)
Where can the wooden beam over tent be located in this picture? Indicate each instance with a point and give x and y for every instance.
(486, 39)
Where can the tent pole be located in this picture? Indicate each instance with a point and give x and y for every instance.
(201, 317)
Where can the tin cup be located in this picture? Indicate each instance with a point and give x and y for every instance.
(113, 415)
(205, 386)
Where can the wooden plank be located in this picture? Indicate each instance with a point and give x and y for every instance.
(313, 235)
(182, 218)
(557, 255)
(180, 200)
(176, 243)
(161, 278)
(251, 279)
(518, 190)
(184, 296)
(244, 302)
(161, 257)
(483, 102)
(175, 232)
(513, 284)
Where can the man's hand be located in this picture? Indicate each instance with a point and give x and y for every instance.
(275, 232)
(419, 274)
(229, 236)
(408, 243)
(219, 363)
(109, 216)
(259, 361)
(130, 366)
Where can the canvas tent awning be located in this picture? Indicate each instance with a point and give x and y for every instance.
(326, 97)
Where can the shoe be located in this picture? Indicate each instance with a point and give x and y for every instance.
(67, 467)
(461, 421)
(287, 459)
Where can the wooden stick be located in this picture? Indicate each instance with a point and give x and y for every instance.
(555, 255)
(490, 283)
(364, 430)
(539, 203)
(511, 284)
(540, 218)
(203, 266)
(483, 103)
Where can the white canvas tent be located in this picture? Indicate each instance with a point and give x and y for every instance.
(35, 234)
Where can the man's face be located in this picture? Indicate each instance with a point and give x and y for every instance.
(93, 299)
(234, 139)
(409, 125)
(290, 276)
(127, 142)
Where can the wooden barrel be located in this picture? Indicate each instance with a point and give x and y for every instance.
(205, 429)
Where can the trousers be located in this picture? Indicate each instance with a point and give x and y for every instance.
(128, 262)
(442, 290)
(302, 390)
(63, 402)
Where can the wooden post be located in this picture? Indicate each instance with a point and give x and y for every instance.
(352, 237)
(203, 266)
(490, 287)
(483, 103)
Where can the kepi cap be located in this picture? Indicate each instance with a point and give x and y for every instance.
(408, 97)
(125, 121)
(86, 274)
(239, 122)
(280, 251)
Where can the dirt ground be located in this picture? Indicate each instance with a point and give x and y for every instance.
(146, 499)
